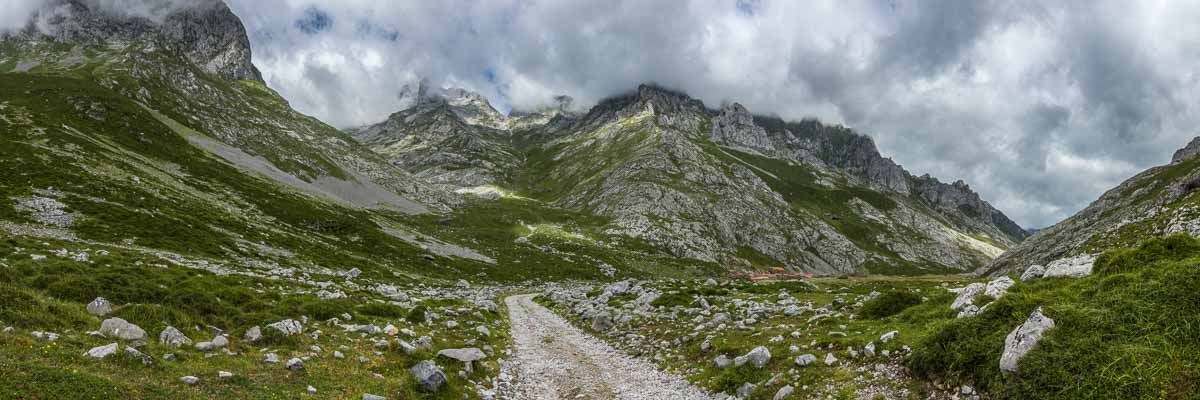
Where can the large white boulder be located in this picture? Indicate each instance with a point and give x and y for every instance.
(1023, 339)
(1071, 267)
(967, 295)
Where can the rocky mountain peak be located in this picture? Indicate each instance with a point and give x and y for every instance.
(1187, 152)
(206, 31)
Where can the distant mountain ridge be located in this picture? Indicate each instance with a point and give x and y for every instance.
(1159, 201)
(626, 156)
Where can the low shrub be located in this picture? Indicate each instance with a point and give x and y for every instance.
(889, 304)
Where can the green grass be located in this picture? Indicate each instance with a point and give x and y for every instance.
(889, 304)
(1127, 331)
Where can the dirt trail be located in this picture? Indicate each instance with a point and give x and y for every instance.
(555, 360)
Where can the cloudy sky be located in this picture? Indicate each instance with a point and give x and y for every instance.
(1040, 106)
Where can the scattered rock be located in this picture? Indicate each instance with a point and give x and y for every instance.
(830, 359)
(967, 295)
(271, 358)
(121, 329)
(1033, 272)
(805, 360)
(758, 357)
(288, 327)
(998, 287)
(784, 392)
(429, 375)
(1072, 267)
(602, 322)
(295, 364)
(172, 337)
(99, 307)
(253, 335)
(369, 396)
(722, 362)
(102, 351)
(189, 380)
(466, 355)
(1023, 339)
(311, 390)
(746, 390)
(224, 374)
(887, 337)
(217, 343)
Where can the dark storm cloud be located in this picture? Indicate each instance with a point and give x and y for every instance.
(1040, 106)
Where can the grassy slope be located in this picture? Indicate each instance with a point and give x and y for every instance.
(1128, 331)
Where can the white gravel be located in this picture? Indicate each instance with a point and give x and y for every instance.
(554, 360)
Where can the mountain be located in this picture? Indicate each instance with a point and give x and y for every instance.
(156, 135)
(722, 186)
(1157, 202)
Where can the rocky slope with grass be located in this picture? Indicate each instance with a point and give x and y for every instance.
(1157, 202)
(722, 186)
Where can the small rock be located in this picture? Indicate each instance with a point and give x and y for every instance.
(224, 374)
(429, 375)
(746, 390)
(189, 380)
(288, 327)
(1033, 272)
(722, 362)
(172, 337)
(99, 307)
(784, 392)
(102, 351)
(312, 390)
(295, 364)
(887, 337)
(369, 396)
(253, 335)
(338, 355)
(805, 360)
(998, 287)
(830, 359)
(271, 358)
(121, 329)
(759, 357)
(1023, 339)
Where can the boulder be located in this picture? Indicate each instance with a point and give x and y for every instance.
(253, 335)
(967, 295)
(217, 343)
(1071, 267)
(102, 351)
(99, 307)
(465, 355)
(288, 327)
(1023, 339)
(887, 337)
(602, 322)
(172, 337)
(784, 392)
(295, 364)
(1033, 272)
(759, 357)
(429, 375)
(121, 329)
(746, 390)
(998, 287)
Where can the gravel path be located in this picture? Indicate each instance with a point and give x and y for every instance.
(554, 360)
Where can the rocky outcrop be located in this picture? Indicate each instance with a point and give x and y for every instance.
(1024, 339)
(1187, 152)
(205, 31)
(1157, 202)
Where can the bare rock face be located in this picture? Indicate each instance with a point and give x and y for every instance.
(205, 31)
(1187, 152)
(1023, 339)
(1156, 202)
